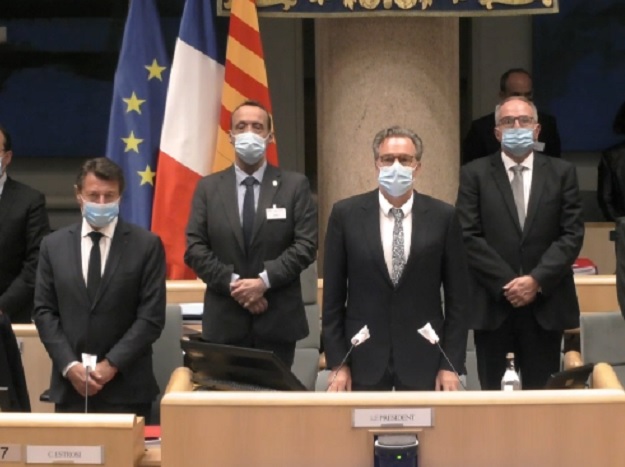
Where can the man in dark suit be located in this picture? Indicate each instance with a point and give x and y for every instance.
(521, 216)
(23, 223)
(100, 290)
(388, 252)
(251, 232)
(481, 141)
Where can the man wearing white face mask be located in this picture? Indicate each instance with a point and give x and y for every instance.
(388, 252)
(100, 290)
(251, 232)
(521, 214)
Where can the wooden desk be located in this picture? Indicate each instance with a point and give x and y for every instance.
(486, 428)
(596, 293)
(121, 435)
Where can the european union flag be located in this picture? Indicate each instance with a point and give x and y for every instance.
(137, 110)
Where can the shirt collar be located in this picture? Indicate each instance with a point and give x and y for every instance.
(508, 162)
(242, 175)
(386, 207)
(107, 231)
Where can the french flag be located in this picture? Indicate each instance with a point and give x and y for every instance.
(190, 125)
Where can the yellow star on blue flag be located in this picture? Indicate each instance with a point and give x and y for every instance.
(137, 109)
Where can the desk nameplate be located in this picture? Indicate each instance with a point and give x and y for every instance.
(10, 453)
(77, 455)
(387, 418)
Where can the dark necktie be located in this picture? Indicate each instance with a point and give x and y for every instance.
(399, 255)
(249, 211)
(518, 192)
(94, 272)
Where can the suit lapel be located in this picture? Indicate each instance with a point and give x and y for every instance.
(419, 228)
(539, 177)
(229, 197)
(75, 258)
(268, 189)
(498, 172)
(371, 229)
(116, 252)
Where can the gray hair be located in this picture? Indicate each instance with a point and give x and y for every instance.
(516, 98)
(397, 131)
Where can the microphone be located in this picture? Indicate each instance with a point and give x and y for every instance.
(360, 337)
(429, 334)
(89, 362)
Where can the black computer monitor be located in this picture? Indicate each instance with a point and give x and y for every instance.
(573, 378)
(227, 367)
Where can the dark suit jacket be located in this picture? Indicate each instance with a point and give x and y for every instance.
(126, 317)
(499, 251)
(481, 141)
(357, 291)
(11, 369)
(23, 223)
(611, 182)
(284, 247)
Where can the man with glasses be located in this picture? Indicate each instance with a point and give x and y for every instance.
(521, 215)
(100, 291)
(388, 252)
(23, 223)
(481, 141)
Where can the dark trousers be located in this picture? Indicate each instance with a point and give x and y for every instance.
(388, 382)
(96, 405)
(536, 350)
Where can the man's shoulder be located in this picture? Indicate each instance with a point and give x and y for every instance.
(136, 231)
(560, 165)
(61, 233)
(481, 164)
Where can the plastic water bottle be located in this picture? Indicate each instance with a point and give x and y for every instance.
(510, 380)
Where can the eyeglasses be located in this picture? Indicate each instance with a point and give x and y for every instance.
(524, 121)
(105, 198)
(406, 160)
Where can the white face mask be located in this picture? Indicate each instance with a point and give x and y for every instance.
(396, 179)
(250, 147)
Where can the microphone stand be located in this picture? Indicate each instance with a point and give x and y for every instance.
(342, 364)
(87, 368)
(451, 365)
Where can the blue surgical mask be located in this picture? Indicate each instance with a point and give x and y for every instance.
(100, 215)
(250, 147)
(396, 179)
(517, 141)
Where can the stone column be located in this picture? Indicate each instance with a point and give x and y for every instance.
(377, 72)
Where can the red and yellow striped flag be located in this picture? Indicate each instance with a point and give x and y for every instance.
(245, 77)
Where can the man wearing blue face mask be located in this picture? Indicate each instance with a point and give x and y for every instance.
(388, 253)
(100, 290)
(251, 232)
(521, 214)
